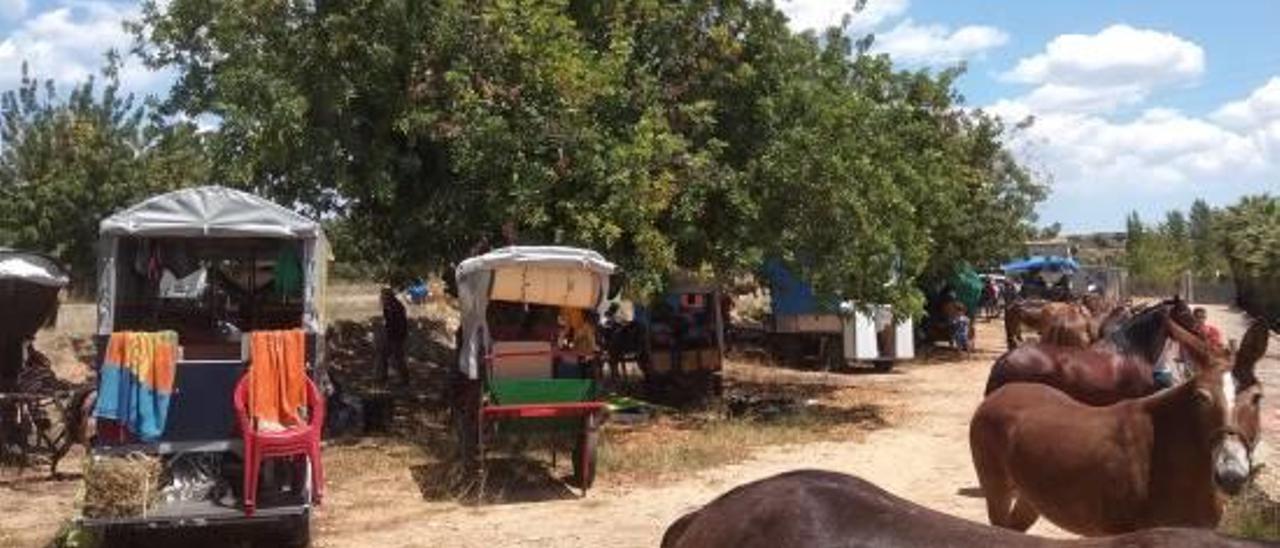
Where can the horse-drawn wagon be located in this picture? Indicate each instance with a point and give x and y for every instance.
(682, 351)
(199, 289)
(528, 361)
(36, 409)
(836, 332)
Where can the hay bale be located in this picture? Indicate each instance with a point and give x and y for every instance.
(120, 487)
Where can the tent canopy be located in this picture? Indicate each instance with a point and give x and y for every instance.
(209, 212)
(32, 268)
(537, 274)
(536, 256)
(967, 286)
(1051, 262)
(213, 212)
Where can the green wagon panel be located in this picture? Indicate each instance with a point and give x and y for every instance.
(535, 391)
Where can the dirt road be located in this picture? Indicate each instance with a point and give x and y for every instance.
(925, 458)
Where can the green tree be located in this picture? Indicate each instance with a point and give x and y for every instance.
(699, 135)
(1175, 226)
(68, 161)
(1249, 233)
(1206, 255)
(1050, 232)
(1134, 230)
(1176, 236)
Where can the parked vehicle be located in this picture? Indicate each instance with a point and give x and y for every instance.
(211, 265)
(685, 340)
(528, 360)
(33, 414)
(802, 325)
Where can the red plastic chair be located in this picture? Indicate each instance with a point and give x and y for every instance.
(297, 440)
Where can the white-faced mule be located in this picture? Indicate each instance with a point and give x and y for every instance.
(1158, 461)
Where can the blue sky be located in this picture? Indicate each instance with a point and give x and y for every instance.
(1138, 105)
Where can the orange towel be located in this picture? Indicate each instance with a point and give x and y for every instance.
(277, 381)
(136, 381)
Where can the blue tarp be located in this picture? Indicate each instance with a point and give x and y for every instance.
(1052, 262)
(788, 294)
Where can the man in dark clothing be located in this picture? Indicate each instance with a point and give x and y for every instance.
(395, 331)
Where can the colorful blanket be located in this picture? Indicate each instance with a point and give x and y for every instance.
(277, 379)
(136, 381)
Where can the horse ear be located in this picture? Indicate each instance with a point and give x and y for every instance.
(1251, 350)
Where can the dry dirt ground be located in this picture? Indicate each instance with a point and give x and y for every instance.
(923, 455)
(380, 490)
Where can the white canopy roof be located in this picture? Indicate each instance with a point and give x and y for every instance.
(476, 274)
(209, 211)
(31, 267)
(552, 256)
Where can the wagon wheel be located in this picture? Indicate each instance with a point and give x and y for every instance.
(584, 454)
(467, 425)
(831, 354)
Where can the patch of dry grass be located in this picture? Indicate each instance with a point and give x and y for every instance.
(672, 447)
(1253, 515)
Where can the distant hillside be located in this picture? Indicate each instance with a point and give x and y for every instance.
(1094, 249)
(1099, 248)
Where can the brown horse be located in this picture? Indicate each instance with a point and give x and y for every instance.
(1112, 369)
(819, 509)
(1069, 320)
(1067, 325)
(1099, 305)
(1150, 462)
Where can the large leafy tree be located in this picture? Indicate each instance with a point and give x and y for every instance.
(1250, 236)
(1206, 255)
(67, 161)
(700, 135)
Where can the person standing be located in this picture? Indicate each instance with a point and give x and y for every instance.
(395, 325)
(957, 313)
(1207, 330)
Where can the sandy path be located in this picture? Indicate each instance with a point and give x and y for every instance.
(925, 459)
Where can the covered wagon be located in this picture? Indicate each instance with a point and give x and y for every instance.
(528, 361)
(208, 269)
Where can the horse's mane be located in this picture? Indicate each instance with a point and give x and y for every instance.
(1139, 327)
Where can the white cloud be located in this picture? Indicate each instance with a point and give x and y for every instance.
(1260, 108)
(1103, 167)
(1117, 55)
(1118, 66)
(1064, 98)
(937, 44)
(819, 14)
(13, 10)
(1159, 160)
(1161, 149)
(67, 44)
